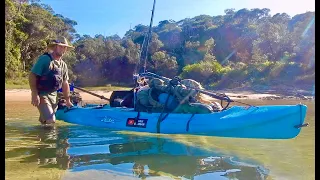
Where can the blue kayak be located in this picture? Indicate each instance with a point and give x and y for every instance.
(265, 122)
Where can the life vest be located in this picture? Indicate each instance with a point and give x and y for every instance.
(52, 81)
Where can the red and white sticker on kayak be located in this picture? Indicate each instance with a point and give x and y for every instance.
(133, 122)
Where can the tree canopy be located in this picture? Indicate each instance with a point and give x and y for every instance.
(244, 47)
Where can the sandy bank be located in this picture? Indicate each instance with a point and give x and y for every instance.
(25, 95)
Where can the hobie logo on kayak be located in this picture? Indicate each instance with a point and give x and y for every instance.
(107, 119)
(133, 122)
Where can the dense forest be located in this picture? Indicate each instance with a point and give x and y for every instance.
(240, 48)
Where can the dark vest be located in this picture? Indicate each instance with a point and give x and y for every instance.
(52, 81)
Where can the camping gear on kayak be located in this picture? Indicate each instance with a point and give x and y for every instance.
(219, 96)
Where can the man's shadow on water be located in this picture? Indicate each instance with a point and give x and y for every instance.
(57, 148)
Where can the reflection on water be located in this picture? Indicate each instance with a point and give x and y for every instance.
(78, 148)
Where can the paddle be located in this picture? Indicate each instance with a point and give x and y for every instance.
(221, 97)
(94, 94)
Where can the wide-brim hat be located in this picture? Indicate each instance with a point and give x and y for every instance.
(60, 41)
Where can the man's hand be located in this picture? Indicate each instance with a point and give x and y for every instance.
(69, 103)
(35, 99)
(66, 93)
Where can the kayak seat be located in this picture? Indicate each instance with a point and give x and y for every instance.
(122, 99)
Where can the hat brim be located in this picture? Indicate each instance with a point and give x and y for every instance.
(60, 44)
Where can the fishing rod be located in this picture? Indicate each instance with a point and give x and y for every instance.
(148, 38)
(94, 94)
(144, 51)
(219, 96)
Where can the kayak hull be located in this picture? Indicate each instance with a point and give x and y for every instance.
(267, 122)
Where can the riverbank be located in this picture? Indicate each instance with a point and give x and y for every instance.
(240, 93)
(272, 93)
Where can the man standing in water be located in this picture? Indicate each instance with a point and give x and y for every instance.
(47, 75)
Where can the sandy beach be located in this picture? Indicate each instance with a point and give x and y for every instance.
(25, 95)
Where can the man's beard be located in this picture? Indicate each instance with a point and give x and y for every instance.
(59, 54)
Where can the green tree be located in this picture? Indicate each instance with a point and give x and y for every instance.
(164, 64)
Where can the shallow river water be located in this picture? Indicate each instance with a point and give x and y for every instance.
(67, 151)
